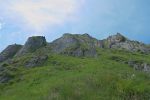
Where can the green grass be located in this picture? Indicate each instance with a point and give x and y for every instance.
(72, 78)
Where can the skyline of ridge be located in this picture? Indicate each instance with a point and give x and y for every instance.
(20, 19)
(73, 35)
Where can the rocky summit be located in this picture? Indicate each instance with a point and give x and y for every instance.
(75, 45)
(32, 44)
(118, 41)
(79, 45)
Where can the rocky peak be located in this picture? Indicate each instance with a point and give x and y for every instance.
(9, 52)
(119, 41)
(75, 44)
(116, 38)
(32, 44)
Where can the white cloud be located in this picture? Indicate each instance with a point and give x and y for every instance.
(38, 14)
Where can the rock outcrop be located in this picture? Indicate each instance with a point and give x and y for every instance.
(112, 40)
(36, 61)
(136, 64)
(6, 73)
(118, 41)
(9, 52)
(69, 44)
(140, 65)
(32, 44)
(75, 45)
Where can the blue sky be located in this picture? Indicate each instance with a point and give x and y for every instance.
(20, 19)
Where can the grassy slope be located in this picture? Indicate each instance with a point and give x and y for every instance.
(69, 78)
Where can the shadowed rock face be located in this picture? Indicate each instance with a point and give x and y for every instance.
(9, 52)
(32, 44)
(36, 61)
(75, 45)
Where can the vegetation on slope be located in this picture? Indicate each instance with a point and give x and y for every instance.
(80, 78)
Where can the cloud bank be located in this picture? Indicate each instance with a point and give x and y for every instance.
(38, 15)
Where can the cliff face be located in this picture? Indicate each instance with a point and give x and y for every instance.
(75, 45)
(32, 44)
(9, 52)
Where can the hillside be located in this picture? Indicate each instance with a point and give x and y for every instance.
(76, 67)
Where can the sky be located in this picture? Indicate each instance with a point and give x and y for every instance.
(20, 19)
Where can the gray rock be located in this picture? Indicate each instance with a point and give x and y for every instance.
(116, 38)
(9, 52)
(118, 41)
(5, 73)
(5, 78)
(32, 44)
(75, 45)
(36, 61)
(139, 65)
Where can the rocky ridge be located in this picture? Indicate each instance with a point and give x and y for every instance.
(74, 45)
(118, 41)
(35, 51)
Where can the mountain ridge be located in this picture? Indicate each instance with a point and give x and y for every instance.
(78, 45)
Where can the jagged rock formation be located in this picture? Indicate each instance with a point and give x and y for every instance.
(114, 39)
(32, 44)
(69, 44)
(75, 45)
(118, 41)
(9, 52)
